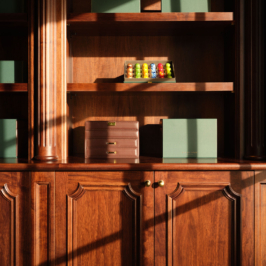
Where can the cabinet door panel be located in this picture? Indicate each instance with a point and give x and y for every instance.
(14, 219)
(109, 218)
(260, 218)
(43, 218)
(198, 218)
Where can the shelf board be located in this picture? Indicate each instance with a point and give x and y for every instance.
(149, 87)
(149, 17)
(109, 24)
(13, 87)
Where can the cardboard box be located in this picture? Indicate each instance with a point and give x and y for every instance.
(115, 6)
(189, 138)
(186, 5)
(13, 71)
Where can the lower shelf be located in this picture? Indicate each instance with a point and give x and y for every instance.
(198, 86)
(13, 87)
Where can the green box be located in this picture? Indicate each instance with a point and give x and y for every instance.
(12, 71)
(115, 6)
(12, 6)
(8, 138)
(189, 138)
(186, 5)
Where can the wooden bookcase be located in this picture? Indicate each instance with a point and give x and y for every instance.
(209, 56)
(103, 212)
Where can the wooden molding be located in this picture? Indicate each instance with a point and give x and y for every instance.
(72, 227)
(47, 76)
(255, 103)
(236, 220)
(44, 248)
(14, 247)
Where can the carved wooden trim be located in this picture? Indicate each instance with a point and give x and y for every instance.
(13, 199)
(228, 192)
(47, 85)
(72, 217)
(40, 204)
(260, 227)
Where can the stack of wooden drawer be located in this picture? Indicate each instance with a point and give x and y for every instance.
(105, 139)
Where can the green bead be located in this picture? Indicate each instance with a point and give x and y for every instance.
(169, 77)
(168, 65)
(137, 66)
(138, 76)
(137, 71)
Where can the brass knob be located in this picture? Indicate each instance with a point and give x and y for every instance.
(147, 183)
(161, 183)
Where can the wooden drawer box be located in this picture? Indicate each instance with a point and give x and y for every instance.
(105, 139)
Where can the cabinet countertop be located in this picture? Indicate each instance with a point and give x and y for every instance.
(78, 163)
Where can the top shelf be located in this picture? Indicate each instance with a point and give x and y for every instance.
(149, 17)
(147, 23)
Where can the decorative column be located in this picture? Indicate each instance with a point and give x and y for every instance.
(50, 86)
(47, 80)
(255, 96)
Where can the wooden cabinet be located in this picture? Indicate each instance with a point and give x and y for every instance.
(204, 218)
(14, 219)
(104, 218)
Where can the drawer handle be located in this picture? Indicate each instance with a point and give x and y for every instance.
(110, 143)
(161, 183)
(111, 123)
(111, 152)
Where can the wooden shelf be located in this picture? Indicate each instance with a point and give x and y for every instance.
(147, 23)
(13, 87)
(122, 87)
(149, 17)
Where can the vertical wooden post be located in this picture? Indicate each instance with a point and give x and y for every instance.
(255, 102)
(51, 86)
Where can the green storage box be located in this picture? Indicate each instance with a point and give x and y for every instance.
(12, 6)
(13, 71)
(115, 6)
(8, 138)
(189, 138)
(186, 5)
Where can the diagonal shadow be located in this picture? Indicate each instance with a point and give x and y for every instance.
(201, 201)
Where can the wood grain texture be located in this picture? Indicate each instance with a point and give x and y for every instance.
(47, 86)
(255, 82)
(217, 86)
(30, 79)
(194, 57)
(191, 222)
(9, 228)
(260, 218)
(14, 219)
(61, 101)
(110, 218)
(43, 218)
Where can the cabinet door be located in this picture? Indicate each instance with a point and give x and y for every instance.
(260, 217)
(104, 218)
(14, 219)
(204, 218)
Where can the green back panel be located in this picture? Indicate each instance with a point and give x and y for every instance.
(115, 6)
(8, 140)
(12, 71)
(12, 6)
(186, 5)
(189, 138)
